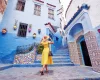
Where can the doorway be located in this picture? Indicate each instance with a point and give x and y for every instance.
(85, 53)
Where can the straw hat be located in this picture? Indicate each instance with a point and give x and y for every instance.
(46, 37)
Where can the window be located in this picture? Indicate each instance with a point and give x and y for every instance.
(22, 30)
(57, 38)
(37, 10)
(20, 5)
(60, 25)
(50, 13)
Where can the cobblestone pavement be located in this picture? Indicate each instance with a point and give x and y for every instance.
(55, 73)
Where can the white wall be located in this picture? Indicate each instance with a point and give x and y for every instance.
(94, 11)
(11, 14)
(0, 17)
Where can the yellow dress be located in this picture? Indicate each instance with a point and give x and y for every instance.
(47, 60)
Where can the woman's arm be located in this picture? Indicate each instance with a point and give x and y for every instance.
(41, 41)
(50, 42)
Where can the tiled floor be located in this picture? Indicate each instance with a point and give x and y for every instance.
(55, 73)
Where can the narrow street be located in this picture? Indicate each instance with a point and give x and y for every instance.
(62, 69)
(55, 73)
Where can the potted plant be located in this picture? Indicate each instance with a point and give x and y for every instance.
(39, 31)
(4, 31)
(34, 35)
(40, 48)
(30, 28)
(15, 27)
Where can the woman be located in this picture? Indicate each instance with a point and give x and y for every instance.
(46, 59)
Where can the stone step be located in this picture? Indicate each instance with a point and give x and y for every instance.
(61, 51)
(55, 58)
(5, 66)
(60, 54)
(61, 57)
(39, 65)
(55, 61)
(67, 60)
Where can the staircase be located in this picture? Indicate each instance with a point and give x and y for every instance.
(60, 58)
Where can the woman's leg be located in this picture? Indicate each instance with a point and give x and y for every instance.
(43, 67)
(46, 66)
(42, 70)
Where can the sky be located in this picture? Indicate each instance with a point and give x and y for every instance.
(65, 4)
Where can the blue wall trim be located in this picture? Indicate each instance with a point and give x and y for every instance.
(84, 6)
(76, 29)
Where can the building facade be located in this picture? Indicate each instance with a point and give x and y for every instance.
(62, 24)
(3, 4)
(25, 22)
(82, 21)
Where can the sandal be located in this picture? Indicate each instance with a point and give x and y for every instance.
(41, 72)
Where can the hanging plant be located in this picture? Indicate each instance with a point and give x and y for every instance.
(4, 31)
(39, 31)
(30, 28)
(34, 35)
(15, 26)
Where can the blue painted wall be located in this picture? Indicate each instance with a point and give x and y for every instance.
(57, 42)
(10, 41)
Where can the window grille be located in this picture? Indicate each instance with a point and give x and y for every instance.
(20, 5)
(50, 13)
(22, 30)
(37, 10)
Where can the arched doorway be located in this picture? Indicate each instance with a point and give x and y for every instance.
(84, 51)
(78, 47)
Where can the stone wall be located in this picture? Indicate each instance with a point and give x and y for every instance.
(74, 52)
(74, 49)
(93, 49)
(27, 58)
(77, 36)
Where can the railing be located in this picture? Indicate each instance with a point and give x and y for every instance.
(25, 48)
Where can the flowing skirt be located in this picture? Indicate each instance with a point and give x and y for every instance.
(46, 60)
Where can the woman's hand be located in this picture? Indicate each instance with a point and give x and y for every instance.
(51, 42)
